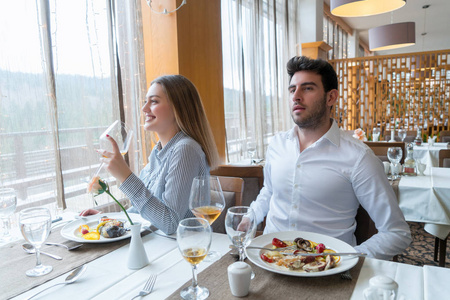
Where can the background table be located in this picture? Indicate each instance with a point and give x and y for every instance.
(429, 155)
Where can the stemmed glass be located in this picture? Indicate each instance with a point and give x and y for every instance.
(121, 134)
(207, 201)
(376, 134)
(394, 155)
(240, 224)
(8, 202)
(194, 239)
(402, 134)
(251, 149)
(35, 226)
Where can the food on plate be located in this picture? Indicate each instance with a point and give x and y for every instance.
(91, 236)
(107, 228)
(292, 257)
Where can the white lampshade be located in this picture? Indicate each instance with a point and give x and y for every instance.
(362, 8)
(392, 36)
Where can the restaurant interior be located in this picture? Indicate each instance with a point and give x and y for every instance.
(70, 70)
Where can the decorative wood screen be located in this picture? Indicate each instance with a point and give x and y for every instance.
(413, 88)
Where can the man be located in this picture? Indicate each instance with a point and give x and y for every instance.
(316, 175)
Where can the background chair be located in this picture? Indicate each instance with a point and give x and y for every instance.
(380, 149)
(440, 246)
(444, 136)
(233, 188)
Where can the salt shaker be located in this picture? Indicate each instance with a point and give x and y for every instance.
(381, 288)
(239, 277)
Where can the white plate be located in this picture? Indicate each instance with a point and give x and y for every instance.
(69, 231)
(331, 243)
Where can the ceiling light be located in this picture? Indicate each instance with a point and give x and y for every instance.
(165, 11)
(392, 36)
(362, 8)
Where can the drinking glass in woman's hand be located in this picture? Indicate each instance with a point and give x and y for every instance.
(35, 225)
(194, 239)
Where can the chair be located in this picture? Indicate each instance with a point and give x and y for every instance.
(410, 136)
(380, 149)
(440, 246)
(232, 188)
(444, 136)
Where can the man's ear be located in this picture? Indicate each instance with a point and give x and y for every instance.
(332, 97)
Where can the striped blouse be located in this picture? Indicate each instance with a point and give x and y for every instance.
(161, 192)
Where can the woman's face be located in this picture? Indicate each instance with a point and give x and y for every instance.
(158, 112)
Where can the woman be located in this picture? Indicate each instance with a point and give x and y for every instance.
(186, 148)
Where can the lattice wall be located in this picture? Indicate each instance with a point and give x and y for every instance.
(375, 91)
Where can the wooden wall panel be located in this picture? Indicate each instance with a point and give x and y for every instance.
(375, 91)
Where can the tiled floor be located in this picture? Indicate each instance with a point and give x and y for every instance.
(421, 250)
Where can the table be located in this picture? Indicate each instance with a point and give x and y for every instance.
(429, 155)
(108, 277)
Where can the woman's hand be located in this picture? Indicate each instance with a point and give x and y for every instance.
(114, 162)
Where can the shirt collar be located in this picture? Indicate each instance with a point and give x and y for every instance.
(161, 152)
(333, 134)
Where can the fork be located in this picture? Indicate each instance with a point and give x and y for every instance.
(293, 247)
(148, 287)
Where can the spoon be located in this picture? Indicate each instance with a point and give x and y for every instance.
(153, 229)
(69, 279)
(65, 246)
(30, 249)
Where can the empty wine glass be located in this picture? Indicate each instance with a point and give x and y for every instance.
(8, 202)
(35, 226)
(376, 134)
(402, 134)
(121, 134)
(251, 149)
(394, 155)
(194, 239)
(207, 201)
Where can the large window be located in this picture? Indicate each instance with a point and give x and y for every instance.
(336, 37)
(59, 90)
(258, 39)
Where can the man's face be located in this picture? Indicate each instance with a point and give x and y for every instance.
(308, 100)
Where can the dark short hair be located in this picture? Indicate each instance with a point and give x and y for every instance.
(319, 66)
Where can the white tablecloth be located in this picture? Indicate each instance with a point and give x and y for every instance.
(108, 277)
(429, 155)
(426, 199)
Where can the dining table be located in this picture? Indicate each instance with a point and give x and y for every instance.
(429, 154)
(108, 277)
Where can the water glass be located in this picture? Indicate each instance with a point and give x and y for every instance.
(394, 155)
(376, 134)
(8, 202)
(251, 149)
(240, 224)
(35, 225)
(194, 239)
(402, 134)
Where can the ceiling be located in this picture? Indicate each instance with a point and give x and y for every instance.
(435, 21)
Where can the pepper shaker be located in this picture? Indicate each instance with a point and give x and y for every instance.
(239, 277)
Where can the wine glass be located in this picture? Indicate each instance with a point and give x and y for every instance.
(207, 201)
(8, 202)
(121, 134)
(251, 149)
(240, 224)
(376, 134)
(35, 226)
(402, 134)
(194, 239)
(394, 155)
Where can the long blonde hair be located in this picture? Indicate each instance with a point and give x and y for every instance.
(190, 114)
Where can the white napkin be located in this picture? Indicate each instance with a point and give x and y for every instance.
(436, 282)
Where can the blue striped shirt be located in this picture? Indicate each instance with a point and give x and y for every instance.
(161, 192)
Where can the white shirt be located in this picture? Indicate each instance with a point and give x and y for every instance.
(320, 189)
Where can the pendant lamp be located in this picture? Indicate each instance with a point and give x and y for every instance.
(363, 8)
(392, 36)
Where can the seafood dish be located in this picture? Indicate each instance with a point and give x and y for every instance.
(107, 228)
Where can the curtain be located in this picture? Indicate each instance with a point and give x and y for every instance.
(68, 69)
(259, 37)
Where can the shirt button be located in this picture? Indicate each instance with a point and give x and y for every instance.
(294, 206)
(295, 185)
(292, 225)
(298, 166)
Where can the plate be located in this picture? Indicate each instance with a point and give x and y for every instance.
(69, 230)
(345, 264)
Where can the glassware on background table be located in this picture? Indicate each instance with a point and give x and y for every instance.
(251, 149)
(194, 239)
(8, 202)
(121, 134)
(402, 134)
(421, 168)
(35, 226)
(376, 134)
(394, 155)
(207, 201)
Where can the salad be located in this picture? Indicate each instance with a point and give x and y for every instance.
(292, 258)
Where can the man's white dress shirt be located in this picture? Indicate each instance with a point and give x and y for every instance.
(320, 189)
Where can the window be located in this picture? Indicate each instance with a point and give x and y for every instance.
(59, 89)
(336, 37)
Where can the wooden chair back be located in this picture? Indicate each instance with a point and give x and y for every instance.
(380, 149)
(444, 158)
(444, 136)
